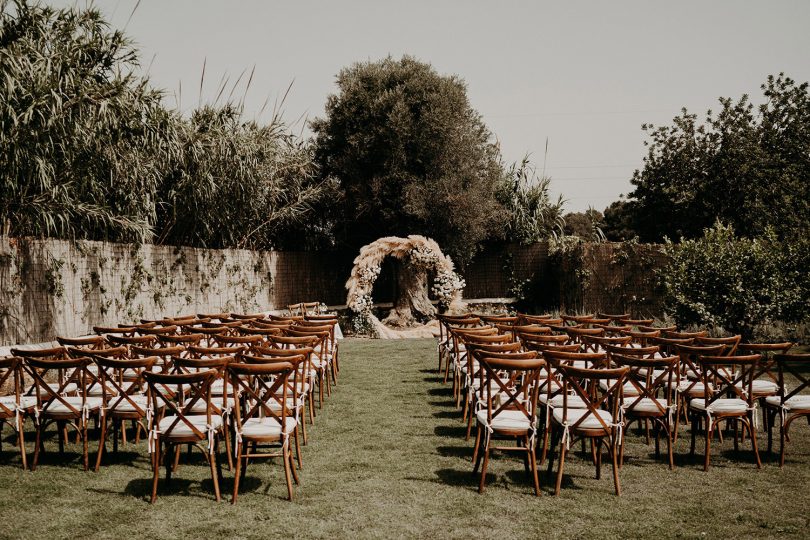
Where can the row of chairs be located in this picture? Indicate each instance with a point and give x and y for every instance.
(196, 380)
(530, 378)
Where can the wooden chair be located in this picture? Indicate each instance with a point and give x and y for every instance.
(182, 425)
(14, 407)
(494, 320)
(475, 349)
(297, 343)
(55, 407)
(731, 343)
(304, 389)
(690, 378)
(124, 398)
(258, 424)
(599, 421)
(509, 385)
(88, 343)
(654, 381)
(445, 344)
(789, 405)
(724, 376)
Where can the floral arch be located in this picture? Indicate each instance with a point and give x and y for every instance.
(417, 255)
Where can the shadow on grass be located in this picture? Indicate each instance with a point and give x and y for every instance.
(440, 391)
(462, 478)
(445, 404)
(447, 414)
(433, 379)
(451, 431)
(455, 451)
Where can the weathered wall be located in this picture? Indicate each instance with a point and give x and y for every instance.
(52, 287)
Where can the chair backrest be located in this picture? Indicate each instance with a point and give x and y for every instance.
(600, 343)
(247, 316)
(118, 385)
(728, 375)
(127, 341)
(798, 366)
(670, 345)
(110, 331)
(583, 383)
(650, 377)
(179, 394)
(159, 330)
(635, 352)
(228, 340)
(613, 330)
(767, 352)
(685, 335)
(499, 319)
(300, 358)
(690, 353)
(88, 343)
(214, 316)
(575, 334)
(645, 328)
(44, 372)
(163, 354)
(260, 390)
(731, 343)
(613, 317)
(196, 351)
(590, 359)
(515, 378)
(636, 322)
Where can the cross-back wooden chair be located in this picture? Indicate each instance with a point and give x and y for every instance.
(445, 345)
(527, 318)
(469, 368)
(458, 351)
(296, 392)
(509, 386)
(303, 342)
(612, 330)
(55, 407)
(599, 420)
(158, 331)
(670, 346)
(14, 407)
(594, 322)
(685, 335)
(164, 355)
(180, 424)
(725, 376)
(214, 316)
(766, 378)
(599, 343)
(250, 342)
(576, 334)
(662, 329)
(731, 343)
(790, 404)
(613, 317)
(654, 401)
(475, 349)
(332, 344)
(636, 322)
(88, 343)
(128, 341)
(493, 320)
(124, 398)
(690, 377)
(259, 425)
(518, 330)
(303, 381)
(323, 359)
(642, 338)
(247, 316)
(96, 388)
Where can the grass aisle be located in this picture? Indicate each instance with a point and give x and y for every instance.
(387, 458)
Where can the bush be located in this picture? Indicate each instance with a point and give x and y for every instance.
(739, 284)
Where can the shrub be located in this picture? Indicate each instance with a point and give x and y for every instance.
(738, 284)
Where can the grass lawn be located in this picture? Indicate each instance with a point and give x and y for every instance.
(387, 458)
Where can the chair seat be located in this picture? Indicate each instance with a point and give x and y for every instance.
(218, 387)
(697, 390)
(642, 372)
(796, 403)
(95, 390)
(589, 423)
(262, 428)
(722, 405)
(26, 402)
(761, 387)
(574, 402)
(647, 405)
(183, 430)
(125, 406)
(507, 420)
(199, 406)
(57, 407)
(628, 389)
(70, 388)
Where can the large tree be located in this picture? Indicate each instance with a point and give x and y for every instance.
(746, 166)
(412, 157)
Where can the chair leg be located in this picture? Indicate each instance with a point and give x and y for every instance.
(476, 449)
(156, 470)
(37, 446)
(596, 444)
(782, 428)
(21, 440)
(298, 450)
(238, 474)
(102, 439)
(85, 449)
(286, 457)
(709, 431)
(616, 483)
(483, 481)
(212, 461)
(294, 470)
(533, 463)
(558, 483)
(754, 440)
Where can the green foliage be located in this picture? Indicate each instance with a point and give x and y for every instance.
(736, 283)
(412, 157)
(586, 225)
(747, 166)
(533, 217)
(88, 149)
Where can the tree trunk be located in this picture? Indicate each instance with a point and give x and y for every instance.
(411, 305)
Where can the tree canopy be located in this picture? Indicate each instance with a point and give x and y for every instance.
(747, 166)
(412, 157)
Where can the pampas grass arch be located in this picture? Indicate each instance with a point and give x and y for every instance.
(416, 250)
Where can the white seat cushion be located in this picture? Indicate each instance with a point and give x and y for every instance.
(627, 390)
(125, 406)
(26, 402)
(507, 420)
(761, 387)
(183, 430)
(267, 427)
(646, 405)
(95, 389)
(722, 405)
(217, 387)
(796, 403)
(696, 390)
(590, 421)
(93, 404)
(574, 402)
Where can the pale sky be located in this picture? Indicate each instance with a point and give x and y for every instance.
(584, 75)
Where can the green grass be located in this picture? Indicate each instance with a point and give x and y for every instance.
(387, 458)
